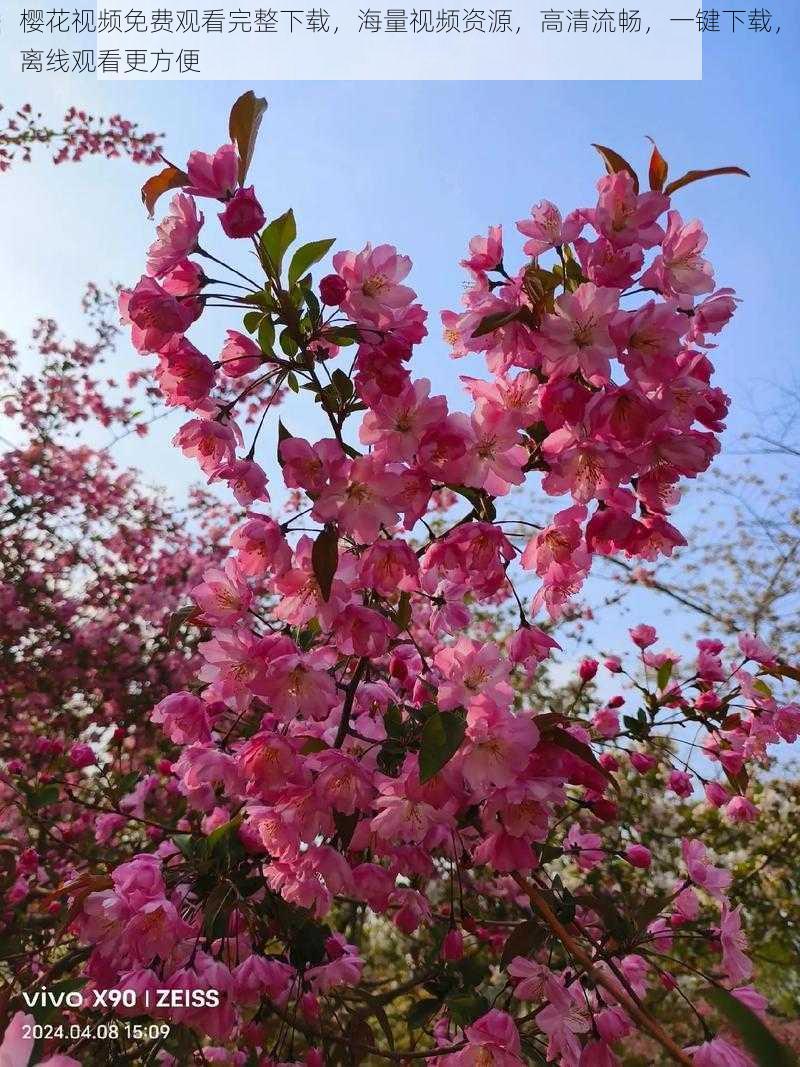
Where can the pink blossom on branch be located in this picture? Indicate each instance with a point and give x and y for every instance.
(359, 739)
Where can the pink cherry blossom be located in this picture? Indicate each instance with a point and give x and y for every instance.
(546, 229)
(213, 175)
(176, 236)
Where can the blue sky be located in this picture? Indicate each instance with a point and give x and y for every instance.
(426, 166)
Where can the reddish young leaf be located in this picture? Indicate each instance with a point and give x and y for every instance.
(325, 560)
(524, 940)
(783, 670)
(615, 162)
(579, 749)
(246, 115)
(698, 175)
(168, 178)
(658, 169)
(283, 435)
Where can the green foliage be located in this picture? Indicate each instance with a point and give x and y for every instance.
(442, 735)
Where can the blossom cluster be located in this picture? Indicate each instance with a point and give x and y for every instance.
(92, 568)
(78, 135)
(356, 742)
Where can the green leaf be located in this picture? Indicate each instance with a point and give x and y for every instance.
(262, 299)
(292, 382)
(345, 828)
(472, 970)
(393, 721)
(422, 1012)
(266, 335)
(782, 670)
(759, 1041)
(215, 918)
(664, 674)
(548, 853)
(122, 784)
(524, 940)
(390, 757)
(533, 1052)
(633, 725)
(344, 387)
(698, 176)
(360, 1040)
(185, 843)
(306, 256)
(441, 739)
(465, 1008)
(288, 344)
(377, 1009)
(220, 838)
(494, 322)
(342, 335)
(481, 501)
(47, 794)
(252, 321)
(277, 237)
(574, 274)
(567, 907)
(311, 744)
(313, 305)
(404, 611)
(325, 560)
(283, 435)
(307, 946)
(649, 910)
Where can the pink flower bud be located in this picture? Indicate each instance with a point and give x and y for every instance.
(239, 355)
(716, 795)
(638, 856)
(529, 643)
(708, 701)
(740, 809)
(309, 1006)
(333, 290)
(680, 783)
(604, 810)
(243, 215)
(588, 669)
(453, 945)
(643, 636)
(642, 762)
(81, 755)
